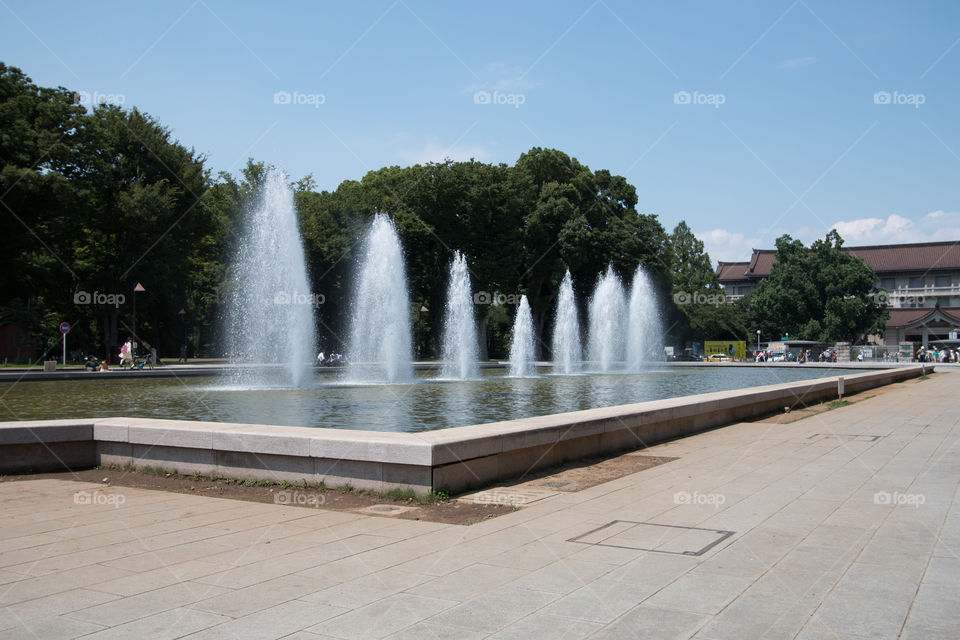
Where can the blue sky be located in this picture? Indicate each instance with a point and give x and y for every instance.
(747, 119)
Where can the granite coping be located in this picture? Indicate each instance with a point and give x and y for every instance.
(430, 448)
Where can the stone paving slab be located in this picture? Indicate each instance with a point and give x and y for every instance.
(844, 525)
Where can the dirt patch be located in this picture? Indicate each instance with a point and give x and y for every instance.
(572, 476)
(589, 472)
(431, 508)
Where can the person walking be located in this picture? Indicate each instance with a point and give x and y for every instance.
(126, 353)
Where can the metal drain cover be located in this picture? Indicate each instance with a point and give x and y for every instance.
(385, 510)
(651, 536)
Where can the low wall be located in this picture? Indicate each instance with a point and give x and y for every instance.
(454, 459)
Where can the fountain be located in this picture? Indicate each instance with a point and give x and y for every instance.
(607, 315)
(645, 329)
(459, 352)
(567, 351)
(522, 348)
(271, 306)
(379, 348)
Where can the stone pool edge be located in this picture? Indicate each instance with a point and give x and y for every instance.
(455, 459)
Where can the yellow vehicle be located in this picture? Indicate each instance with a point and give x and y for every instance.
(720, 357)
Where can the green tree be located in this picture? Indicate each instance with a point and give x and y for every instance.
(691, 267)
(820, 293)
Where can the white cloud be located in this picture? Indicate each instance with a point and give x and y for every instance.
(728, 246)
(936, 226)
(433, 151)
(797, 63)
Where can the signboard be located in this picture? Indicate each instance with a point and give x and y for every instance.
(64, 329)
(733, 348)
(777, 347)
(907, 351)
(668, 351)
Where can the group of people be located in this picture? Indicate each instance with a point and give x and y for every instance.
(330, 360)
(938, 355)
(800, 357)
(92, 363)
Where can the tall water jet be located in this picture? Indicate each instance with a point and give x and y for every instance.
(645, 328)
(271, 307)
(459, 352)
(607, 323)
(379, 350)
(567, 351)
(522, 348)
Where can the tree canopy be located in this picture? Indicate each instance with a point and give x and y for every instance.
(98, 201)
(820, 293)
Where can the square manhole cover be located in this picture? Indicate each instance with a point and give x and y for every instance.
(650, 536)
(848, 437)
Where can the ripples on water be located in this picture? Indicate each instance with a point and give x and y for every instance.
(428, 404)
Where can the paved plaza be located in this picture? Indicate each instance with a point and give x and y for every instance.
(841, 525)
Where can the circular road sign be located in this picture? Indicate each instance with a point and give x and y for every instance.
(64, 327)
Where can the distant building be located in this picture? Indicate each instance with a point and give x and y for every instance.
(922, 282)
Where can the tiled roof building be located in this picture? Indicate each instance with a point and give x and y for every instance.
(922, 280)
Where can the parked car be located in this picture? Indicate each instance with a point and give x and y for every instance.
(720, 357)
(686, 357)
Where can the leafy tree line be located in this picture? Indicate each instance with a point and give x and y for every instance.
(98, 201)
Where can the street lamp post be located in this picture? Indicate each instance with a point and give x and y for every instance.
(422, 309)
(183, 347)
(758, 339)
(137, 288)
